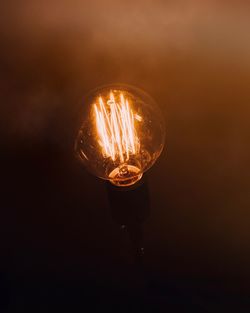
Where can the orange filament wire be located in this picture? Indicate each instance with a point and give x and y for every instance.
(115, 123)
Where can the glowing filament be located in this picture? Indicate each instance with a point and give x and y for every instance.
(115, 122)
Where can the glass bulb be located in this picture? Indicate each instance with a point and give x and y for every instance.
(122, 133)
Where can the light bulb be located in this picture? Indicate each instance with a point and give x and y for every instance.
(122, 133)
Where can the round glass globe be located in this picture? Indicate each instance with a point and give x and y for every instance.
(122, 133)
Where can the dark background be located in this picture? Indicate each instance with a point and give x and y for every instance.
(66, 245)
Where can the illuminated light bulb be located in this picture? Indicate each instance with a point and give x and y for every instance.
(122, 134)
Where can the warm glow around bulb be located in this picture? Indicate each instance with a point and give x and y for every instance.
(115, 125)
